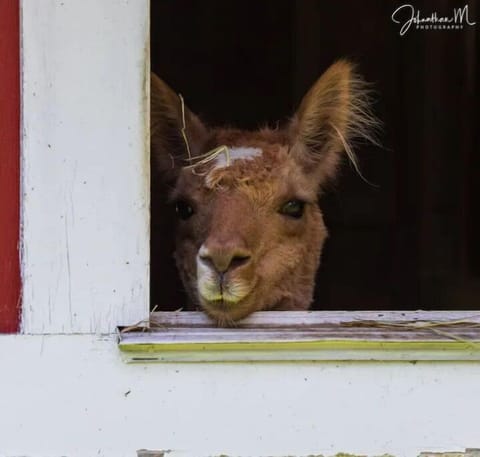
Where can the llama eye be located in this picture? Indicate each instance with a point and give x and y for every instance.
(184, 210)
(293, 208)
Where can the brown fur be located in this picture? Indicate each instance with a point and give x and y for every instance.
(237, 246)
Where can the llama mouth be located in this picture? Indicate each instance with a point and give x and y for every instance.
(223, 294)
(226, 312)
(220, 303)
(227, 298)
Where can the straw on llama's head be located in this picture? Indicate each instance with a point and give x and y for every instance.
(250, 231)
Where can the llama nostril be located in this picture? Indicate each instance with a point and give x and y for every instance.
(222, 261)
(238, 261)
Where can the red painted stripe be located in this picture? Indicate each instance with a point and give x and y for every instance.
(9, 166)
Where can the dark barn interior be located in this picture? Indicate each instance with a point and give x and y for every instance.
(407, 244)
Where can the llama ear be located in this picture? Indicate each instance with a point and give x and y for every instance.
(333, 112)
(169, 121)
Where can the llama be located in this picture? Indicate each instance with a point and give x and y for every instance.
(250, 232)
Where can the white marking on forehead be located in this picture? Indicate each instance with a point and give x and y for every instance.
(236, 154)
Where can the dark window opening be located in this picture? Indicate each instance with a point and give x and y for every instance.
(412, 242)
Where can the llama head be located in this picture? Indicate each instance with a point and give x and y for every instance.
(250, 232)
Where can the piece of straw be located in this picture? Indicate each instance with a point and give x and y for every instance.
(203, 158)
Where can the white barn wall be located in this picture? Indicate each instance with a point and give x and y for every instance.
(64, 390)
(85, 170)
(75, 397)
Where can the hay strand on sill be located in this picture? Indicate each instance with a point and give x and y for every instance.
(415, 325)
(471, 344)
(142, 325)
(424, 325)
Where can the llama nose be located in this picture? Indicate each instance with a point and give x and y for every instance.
(223, 258)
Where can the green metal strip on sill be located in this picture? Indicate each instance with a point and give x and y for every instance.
(320, 345)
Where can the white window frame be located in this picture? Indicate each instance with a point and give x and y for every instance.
(85, 165)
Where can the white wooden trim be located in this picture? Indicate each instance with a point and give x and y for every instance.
(71, 395)
(306, 335)
(85, 164)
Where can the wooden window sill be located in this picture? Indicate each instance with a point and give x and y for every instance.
(307, 336)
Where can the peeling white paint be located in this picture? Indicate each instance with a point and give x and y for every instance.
(85, 165)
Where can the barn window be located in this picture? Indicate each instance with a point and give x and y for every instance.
(405, 243)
